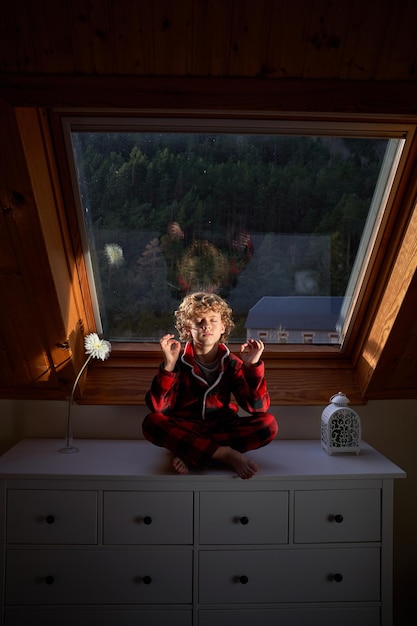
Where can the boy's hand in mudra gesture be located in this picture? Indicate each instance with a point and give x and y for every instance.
(251, 351)
(171, 349)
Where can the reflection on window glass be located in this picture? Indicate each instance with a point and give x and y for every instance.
(272, 223)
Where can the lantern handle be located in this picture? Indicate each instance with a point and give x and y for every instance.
(340, 398)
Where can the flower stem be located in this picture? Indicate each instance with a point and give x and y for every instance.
(69, 429)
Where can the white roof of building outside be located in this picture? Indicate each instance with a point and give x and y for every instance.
(295, 312)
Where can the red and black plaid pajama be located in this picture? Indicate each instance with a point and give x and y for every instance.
(196, 440)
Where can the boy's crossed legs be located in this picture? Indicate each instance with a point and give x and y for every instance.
(195, 443)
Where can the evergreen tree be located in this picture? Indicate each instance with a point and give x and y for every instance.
(232, 197)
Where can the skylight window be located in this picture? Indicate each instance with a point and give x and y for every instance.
(258, 212)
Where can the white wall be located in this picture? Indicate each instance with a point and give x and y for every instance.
(29, 418)
(32, 418)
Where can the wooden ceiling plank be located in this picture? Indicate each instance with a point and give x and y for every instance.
(398, 48)
(273, 45)
(269, 38)
(363, 39)
(291, 28)
(100, 36)
(131, 37)
(218, 94)
(246, 37)
(49, 25)
(211, 27)
(172, 32)
(327, 38)
(90, 35)
(17, 45)
(80, 35)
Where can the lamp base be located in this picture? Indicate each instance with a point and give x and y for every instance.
(69, 449)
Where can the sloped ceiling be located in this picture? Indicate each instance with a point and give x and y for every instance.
(366, 40)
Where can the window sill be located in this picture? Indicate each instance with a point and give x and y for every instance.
(296, 375)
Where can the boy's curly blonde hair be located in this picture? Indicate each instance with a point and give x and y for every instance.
(195, 305)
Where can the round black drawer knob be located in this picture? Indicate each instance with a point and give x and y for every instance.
(147, 580)
(244, 520)
(50, 519)
(243, 580)
(147, 520)
(49, 580)
(338, 519)
(338, 578)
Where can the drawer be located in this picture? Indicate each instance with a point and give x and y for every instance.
(315, 575)
(346, 616)
(148, 517)
(51, 517)
(337, 516)
(87, 576)
(244, 517)
(17, 616)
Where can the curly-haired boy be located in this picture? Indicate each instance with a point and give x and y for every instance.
(192, 411)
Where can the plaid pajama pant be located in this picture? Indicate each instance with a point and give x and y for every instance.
(196, 440)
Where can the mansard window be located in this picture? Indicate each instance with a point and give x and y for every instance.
(248, 209)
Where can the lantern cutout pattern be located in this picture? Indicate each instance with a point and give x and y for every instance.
(340, 426)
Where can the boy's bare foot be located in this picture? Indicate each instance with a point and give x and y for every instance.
(179, 465)
(244, 467)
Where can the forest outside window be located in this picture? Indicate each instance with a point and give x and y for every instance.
(279, 219)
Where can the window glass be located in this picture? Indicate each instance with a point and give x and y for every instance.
(272, 222)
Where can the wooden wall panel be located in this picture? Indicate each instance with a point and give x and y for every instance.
(394, 326)
(35, 318)
(126, 381)
(395, 375)
(27, 358)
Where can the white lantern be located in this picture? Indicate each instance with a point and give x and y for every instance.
(340, 426)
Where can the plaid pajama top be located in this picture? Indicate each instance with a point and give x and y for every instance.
(185, 392)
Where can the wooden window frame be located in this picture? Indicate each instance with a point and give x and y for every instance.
(297, 374)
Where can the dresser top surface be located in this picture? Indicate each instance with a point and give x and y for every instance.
(137, 459)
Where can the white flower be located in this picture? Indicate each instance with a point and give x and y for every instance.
(96, 347)
(114, 253)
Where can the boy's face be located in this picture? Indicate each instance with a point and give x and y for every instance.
(207, 329)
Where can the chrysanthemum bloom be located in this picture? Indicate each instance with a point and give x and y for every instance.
(95, 347)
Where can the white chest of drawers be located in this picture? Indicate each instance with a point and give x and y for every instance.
(110, 535)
